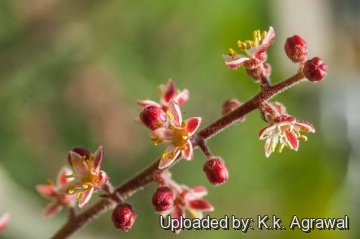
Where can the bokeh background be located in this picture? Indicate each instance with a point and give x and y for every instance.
(71, 72)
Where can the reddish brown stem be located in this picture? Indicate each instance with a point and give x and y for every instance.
(149, 174)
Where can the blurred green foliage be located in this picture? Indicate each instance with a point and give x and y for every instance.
(71, 71)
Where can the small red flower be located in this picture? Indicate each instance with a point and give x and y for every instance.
(58, 200)
(87, 176)
(177, 133)
(255, 51)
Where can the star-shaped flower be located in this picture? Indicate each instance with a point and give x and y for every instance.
(87, 176)
(177, 133)
(286, 129)
(255, 51)
(167, 94)
(58, 200)
(189, 199)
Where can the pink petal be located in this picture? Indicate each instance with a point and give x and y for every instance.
(200, 204)
(192, 124)
(4, 221)
(182, 97)
(79, 166)
(162, 133)
(47, 191)
(175, 111)
(266, 132)
(170, 91)
(305, 126)
(270, 37)
(292, 138)
(51, 209)
(98, 158)
(83, 202)
(167, 161)
(274, 139)
(199, 191)
(103, 179)
(61, 177)
(145, 103)
(177, 213)
(188, 152)
(235, 63)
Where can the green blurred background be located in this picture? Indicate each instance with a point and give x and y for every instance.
(71, 72)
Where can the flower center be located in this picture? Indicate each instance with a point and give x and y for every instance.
(180, 137)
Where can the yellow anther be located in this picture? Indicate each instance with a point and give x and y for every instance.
(232, 53)
(302, 138)
(171, 116)
(73, 162)
(178, 91)
(186, 137)
(282, 134)
(255, 42)
(280, 148)
(71, 189)
(304, 129)
(158, 140)
(291, 128)
(159, 89)
(239, 43)
(272, 145)
(289, 145)
(255, 34)
(297, 133)
(249, 43)
(70, 176)
(85, 185)
(50, 182)
(80, 195)
(243, 46)
(263, 35)
(89, 163)
(163, 155)
(183, 124)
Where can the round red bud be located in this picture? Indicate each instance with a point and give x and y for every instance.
(123, 217)
(216, 171)
(163, 199)
(315, 69)
(153, 117)
(296, 49)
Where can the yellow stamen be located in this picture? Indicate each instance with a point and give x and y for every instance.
(232, 53)
(183, 124)
(302, 138)
(70, 176)
(282, 134)
(158, 140)
(71, 189)
(243, 46)
(280, 148)
(289, 145)
(178, 91)
(272, 145)
(85, 185)
(263, 35)
(50, 182)
(163, 155)
(249, 43)
(80, 195)
(297, 133)
(239, 43)
(171, 116)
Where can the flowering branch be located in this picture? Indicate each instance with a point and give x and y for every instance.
(166, 123)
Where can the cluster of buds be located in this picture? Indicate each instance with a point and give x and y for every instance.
(76, 184)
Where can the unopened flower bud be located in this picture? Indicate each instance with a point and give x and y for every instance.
(163, 199)
(256, 73)
(216, 171)
(123, 217)
(153, 117)
(231, 105)
(315, 69)
(296, 49)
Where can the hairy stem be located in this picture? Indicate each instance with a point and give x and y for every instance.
(150, 173)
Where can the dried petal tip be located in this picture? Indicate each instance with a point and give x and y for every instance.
(153, 117)
(163, 199)
(315, 69)
(123, 217)
(216, 171)
(296, 49)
